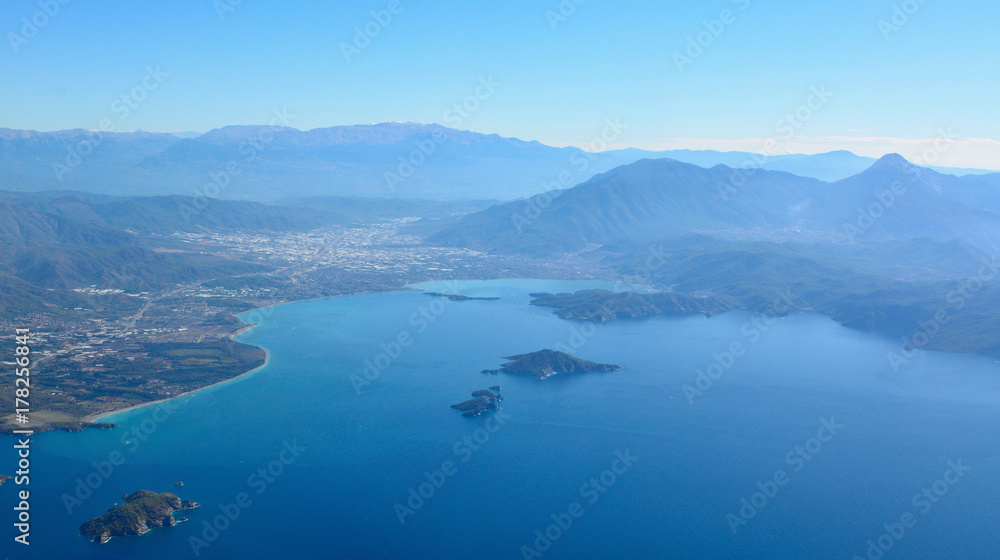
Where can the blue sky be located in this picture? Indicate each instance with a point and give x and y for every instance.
(559, 78)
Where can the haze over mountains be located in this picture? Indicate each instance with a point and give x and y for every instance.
(656, 199)
(881, 250)
(878, 248)
(388, 160)
(55, 242)
(886, 250)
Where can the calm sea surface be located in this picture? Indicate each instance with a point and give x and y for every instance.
(327, 460)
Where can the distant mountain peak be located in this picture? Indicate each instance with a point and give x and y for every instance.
(893, 160)
(894, 168)
(240, 131)
(892, 165)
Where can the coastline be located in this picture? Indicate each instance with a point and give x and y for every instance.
(407, 287)
(416, 287)
(267, 358)
(96, 416)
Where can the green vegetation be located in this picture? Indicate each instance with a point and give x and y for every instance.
(142, 511)
(896, 289)
(483, 400)
(67, 393)
(603, 305)
(544, 363)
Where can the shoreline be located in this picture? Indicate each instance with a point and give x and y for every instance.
(267, 359)
(96, 416)
(414, 287)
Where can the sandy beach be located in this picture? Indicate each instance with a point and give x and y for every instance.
(95, 417)
(267, 358)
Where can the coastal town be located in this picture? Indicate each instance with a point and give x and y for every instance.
(159, 344)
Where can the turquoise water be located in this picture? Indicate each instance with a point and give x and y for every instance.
(360, 448)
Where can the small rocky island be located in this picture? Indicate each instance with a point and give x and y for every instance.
(142, 511)
(544, 363)
(456, 297)
(3, 479)
(483, 400)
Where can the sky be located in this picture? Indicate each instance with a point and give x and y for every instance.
(875, 76)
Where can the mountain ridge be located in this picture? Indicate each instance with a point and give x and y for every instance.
(389, 160)
(650, 199)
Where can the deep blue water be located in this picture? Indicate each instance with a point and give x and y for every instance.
(364, 450)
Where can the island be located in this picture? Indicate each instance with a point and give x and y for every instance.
(544, 363)
(483, 400)
(456, 297)
(3, 479)
(142, 511)
(603, 306)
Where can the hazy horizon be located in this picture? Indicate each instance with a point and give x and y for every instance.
(752, 146)
(869, 78)
(511, 280)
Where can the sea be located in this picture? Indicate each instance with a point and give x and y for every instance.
(733, 437)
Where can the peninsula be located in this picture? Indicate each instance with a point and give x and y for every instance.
(603, 305)
(456, 297)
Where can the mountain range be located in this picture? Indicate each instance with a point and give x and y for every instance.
(655, 199)
(880, 249)
(386, 160)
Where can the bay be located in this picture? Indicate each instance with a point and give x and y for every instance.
(354, 445)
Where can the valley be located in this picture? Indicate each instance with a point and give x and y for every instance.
(134, 299)
(130, 340)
